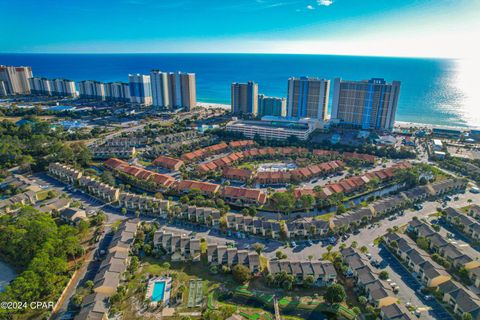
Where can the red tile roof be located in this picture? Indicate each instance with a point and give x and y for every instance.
(205, 187)
(241, 143)
(168, 162)
(114, 163)
(239, 193)
(229, 172)
(302, 192)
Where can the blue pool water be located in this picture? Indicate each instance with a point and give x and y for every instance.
(158, 291)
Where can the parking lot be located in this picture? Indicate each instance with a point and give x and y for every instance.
(409, 286)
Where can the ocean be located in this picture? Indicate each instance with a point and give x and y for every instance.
(433, 91)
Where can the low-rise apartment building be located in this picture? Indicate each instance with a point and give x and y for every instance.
(181, 247)
(322, 272)
(222, 255)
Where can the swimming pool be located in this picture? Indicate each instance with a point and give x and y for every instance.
(158, 291)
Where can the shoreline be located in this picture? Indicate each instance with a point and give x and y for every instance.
(398, 124)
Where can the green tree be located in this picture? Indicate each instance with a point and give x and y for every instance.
(258, 247)
(363, 249)
(308, 281)
(108, 178)
(362, 300)
(280, 255)
(357, 310)
(335, 294)
(467, 316)
(383, 275)
(283, 201)
(423, 243)
(241, 273)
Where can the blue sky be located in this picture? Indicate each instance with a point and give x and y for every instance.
(434, 28)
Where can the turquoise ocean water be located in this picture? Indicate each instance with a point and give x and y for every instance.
(434, 91)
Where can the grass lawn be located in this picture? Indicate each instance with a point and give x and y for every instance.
(42, 195)
(247, 165)
(325, 217)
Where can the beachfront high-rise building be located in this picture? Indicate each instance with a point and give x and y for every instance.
(117, 91)
(272, 106)
(308, 98)
(3, 89)
(160, 89)
(91, 89)
(39, 85)
(64, 87)
(140, 89)
(16, 79)
(173, 90)
(368, 104)
(188, 91)
(244, 98)
(55, 87)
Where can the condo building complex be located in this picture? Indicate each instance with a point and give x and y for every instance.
(272, 106)
(140, 89)
(308, 98)
(52, 87)
(368, 104)
(173, 90)
(117, 91)
(3, 89)
(275, 128)
(91, 89)
(244, 98)
(15, 79)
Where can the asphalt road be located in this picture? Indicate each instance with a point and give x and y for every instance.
(303, 250)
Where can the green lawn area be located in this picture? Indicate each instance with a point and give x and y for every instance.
(247, 165)
(183, 273)
(325, 217)
(42, 195)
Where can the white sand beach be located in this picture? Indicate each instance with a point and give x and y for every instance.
(213, 105)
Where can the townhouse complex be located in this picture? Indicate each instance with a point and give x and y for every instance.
(110, 274)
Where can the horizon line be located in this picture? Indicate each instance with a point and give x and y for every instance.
(240, 53)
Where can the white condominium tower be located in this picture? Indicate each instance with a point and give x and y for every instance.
(91, 89)
(117, 91)
(272, 106)
(160, 89)
(367, 104)
(15, 79)
(41, 86)
(56, 87)
(64, 87)
(3, 89)
(308, 98)
(173, 90)
(244, 98)
(140, 89)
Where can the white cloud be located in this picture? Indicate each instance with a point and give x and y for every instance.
(325, 3)
(309, 7)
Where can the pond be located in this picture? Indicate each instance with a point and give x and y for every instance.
(7, 274)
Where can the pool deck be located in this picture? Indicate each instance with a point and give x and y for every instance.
(166, 293)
